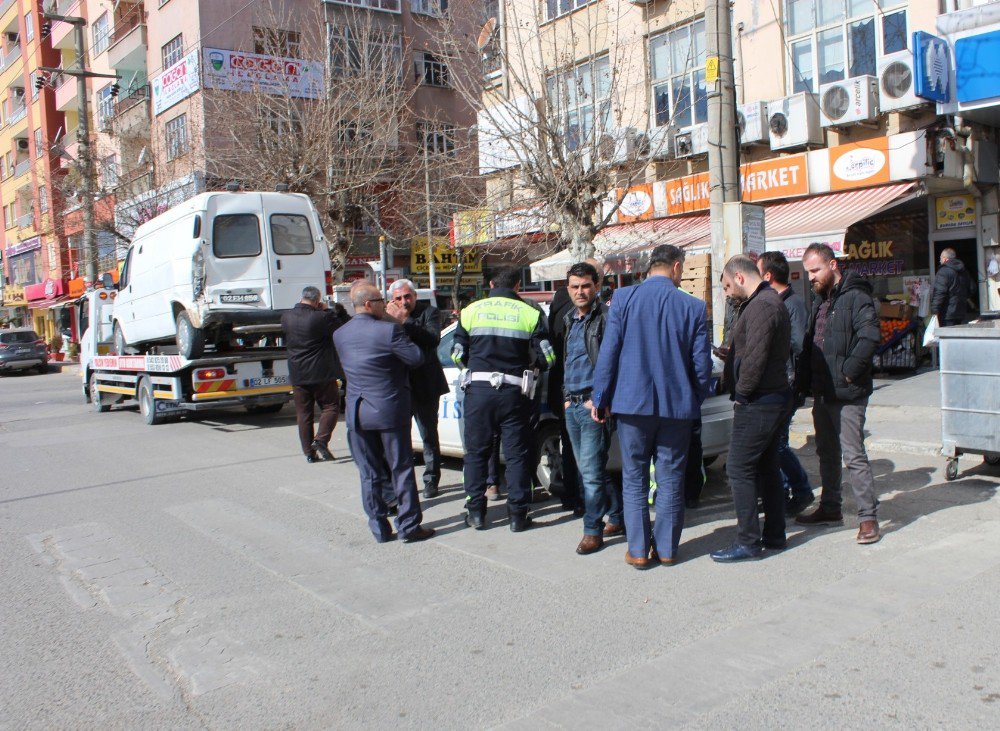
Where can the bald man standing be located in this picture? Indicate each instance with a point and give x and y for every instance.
(377, 356)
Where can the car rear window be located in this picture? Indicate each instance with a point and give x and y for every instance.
(235, 236)
(25, 336)
(290, 234)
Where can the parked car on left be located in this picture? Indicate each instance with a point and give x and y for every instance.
(21, 349)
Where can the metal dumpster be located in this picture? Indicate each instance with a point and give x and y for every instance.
(970, 392)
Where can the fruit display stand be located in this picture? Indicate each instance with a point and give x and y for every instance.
(901, 346)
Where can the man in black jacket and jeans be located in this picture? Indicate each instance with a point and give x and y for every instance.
(758, 383)
(836, 368)
(313, 368)
(951, 290)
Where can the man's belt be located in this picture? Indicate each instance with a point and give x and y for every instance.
(494, 379)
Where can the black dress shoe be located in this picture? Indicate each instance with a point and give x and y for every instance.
(476, 520)
(772, 544)
(322, 450)
(737, 552)
(520, 523)
(420, 534)
(311, 457)
(430, 491)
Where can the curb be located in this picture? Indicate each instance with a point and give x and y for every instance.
(895, 446)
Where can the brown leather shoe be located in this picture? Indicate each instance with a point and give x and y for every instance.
(869, 532)
(590, 544)
(493, 492)
(655, 556)
(613, 529)
(420, 534)
(639, 563)
(821, 516)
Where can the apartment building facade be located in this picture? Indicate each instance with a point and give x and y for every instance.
(849, 131)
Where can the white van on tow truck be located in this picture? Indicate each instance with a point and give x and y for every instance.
(168, 384)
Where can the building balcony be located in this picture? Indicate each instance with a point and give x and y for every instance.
(8, 58)
(66, 93)
(21, 168)
(132, 110)
(5, 5)
(62, 33)
(16, 114)
(26, 221)
(128, 43)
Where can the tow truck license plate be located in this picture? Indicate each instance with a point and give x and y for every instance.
(239, 298)
(273, 381)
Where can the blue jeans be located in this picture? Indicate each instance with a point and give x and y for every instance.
(793, 476)
(590, 442)
(666, 442)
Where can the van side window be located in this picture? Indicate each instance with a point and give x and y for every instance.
(235, 236)
(123, 276)
(290, 234)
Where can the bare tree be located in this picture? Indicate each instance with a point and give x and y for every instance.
(562, 112)
(330, 130)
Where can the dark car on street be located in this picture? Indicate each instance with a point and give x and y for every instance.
(22, 349)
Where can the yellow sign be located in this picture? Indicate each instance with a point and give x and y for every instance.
(711, 69)
(955, 211)
(474, 227)
(445, 257)
(13, 296)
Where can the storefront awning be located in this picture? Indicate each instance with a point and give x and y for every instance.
(791, 227)
(617, 245)
(53, 302)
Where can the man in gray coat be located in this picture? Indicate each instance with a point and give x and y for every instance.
(773, 267)
(376, 355)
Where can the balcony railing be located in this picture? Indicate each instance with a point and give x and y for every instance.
(22, 167)
(130, 98)
(6, 59)
(26, 220)
(126, 24)
(4, 5)
(17, 114)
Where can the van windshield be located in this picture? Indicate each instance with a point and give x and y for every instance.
(290, 234)
(236, 235)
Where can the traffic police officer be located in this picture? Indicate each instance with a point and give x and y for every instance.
(500, 339)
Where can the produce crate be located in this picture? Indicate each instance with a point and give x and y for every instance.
(902, 349)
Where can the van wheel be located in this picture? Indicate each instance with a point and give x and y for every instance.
(147, 404)
(120, 344)
(190, 340)
(96, 398)
(550, 457)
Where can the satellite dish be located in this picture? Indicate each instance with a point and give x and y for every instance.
(486, 34)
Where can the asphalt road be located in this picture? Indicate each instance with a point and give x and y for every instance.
(201, 574)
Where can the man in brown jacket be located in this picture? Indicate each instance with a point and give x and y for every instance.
(758, 383)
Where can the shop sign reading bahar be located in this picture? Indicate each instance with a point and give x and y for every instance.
(237, 71)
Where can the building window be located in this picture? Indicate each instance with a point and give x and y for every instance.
(8, 216)
(172, 51)
(354, 132)
(578, 97)
(105, 106)
(391, 6)
(437, 8)
(176, 136)
(430, 69)
(29, 26)
(109, 171)
(275, 42)
(8, 160)
(555, 8)
(34, 89)
(38, 143)
(366, 50)
(836, 39)
(677, 65)
(43, 199)
(436, 139)
(102, 34)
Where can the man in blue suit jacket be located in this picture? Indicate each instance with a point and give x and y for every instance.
(653, 373)
(376, 355)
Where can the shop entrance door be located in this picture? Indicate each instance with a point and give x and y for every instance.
(968, 253)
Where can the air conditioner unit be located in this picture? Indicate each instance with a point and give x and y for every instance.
(22, 145)
(19, 92)
(849, 101)
(794, 122)
(661, 142)
(751, 120)
(895, 83)
(690, 141)
(621, 145)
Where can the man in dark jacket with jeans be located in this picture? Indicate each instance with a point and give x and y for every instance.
(313, 368)
(836, 368)
(758, 383)
(951, 290)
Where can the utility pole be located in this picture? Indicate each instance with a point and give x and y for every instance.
(431, 265)
(723, 145)
(85, 159)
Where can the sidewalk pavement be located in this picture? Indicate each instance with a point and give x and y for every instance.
(904, 416)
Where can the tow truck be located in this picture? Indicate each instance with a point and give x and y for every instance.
(165, 384)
